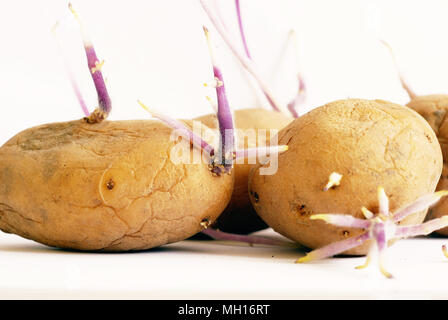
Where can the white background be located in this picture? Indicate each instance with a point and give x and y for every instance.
(155, 51)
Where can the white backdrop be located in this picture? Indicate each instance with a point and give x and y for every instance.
(156, 51)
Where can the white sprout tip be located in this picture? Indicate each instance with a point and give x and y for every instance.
(445, 251)
(333, 180)
(144, 107)
(367, 213)
(283, 148)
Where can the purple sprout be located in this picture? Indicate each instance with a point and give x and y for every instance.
(94, 64)
(379, 228)
(248, 64)
(182, 129)
(240, 24)
(223, 160)
(71, 77)
(251, 240)
(245, 61)
(223, 157)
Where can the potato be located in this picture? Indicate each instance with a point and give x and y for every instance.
(109, 186)
(434, 108)
(371, 143)
(239, 216)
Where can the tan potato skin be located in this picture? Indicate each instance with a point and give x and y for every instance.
(105, 187)
(371, 143)
(434, 109)
(239, 216)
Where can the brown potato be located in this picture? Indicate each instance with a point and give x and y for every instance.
(109, 186)
(239, 216)
(371, 143)
(434, 109)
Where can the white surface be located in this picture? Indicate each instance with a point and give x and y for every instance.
(155, 51)
(209, 270)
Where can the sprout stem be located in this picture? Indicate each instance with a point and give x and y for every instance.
(183, 130)
(342, 220)
(245, 62)
(223, 161)
(251, 240)
(259, 151)
(301, 92)
(334, 248)
(420, 204)
(403, 81)
(445, 251)
(240, 24)
(104, 101)
(70, 75)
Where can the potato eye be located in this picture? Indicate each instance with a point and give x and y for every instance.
(110, 184)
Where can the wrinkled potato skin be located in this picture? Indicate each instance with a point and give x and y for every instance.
(371, 143)
(239, 216)
(104, 187)
(434, 109)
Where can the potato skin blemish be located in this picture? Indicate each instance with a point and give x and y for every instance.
(110, 184)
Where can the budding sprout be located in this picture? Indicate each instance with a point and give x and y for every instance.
(333, 181)
(95, 65)
(380, 228)
(403, 81)
(223, 160)
(223, 157)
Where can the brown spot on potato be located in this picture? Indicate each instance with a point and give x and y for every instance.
(110, 184)
(303, 211)
(256, 197)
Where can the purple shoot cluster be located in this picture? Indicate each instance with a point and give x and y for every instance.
(94, 65)
(223, 157)
(379, 228)
(247, 62)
